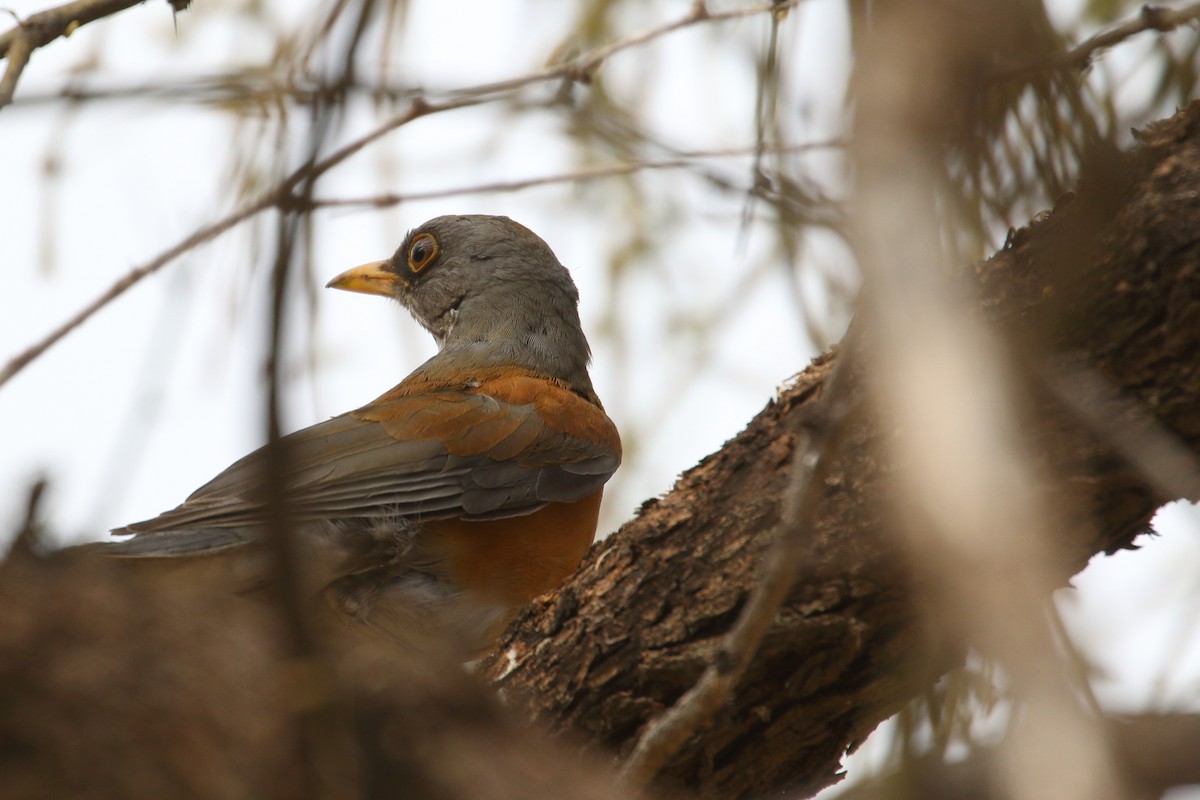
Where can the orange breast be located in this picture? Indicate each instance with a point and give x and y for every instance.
(511, 561)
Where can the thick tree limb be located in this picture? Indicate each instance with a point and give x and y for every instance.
(809, 470)
(1109, 280)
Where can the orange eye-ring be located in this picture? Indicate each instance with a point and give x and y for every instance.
(422, 251)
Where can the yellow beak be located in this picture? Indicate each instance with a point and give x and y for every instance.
(369, 278)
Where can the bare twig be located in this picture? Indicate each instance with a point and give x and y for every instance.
(57, 21)
(1149, 18)
(46, 26)
(582, 67)
(221, 89)
(18, 57)
(766, 96)
(814, 448)
(30, 532)
(40, 29)
(585, 64)
(686, 161)
(277, 195)
(127, 281)
(325, 740)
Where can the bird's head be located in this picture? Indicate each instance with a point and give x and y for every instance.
(483, 280)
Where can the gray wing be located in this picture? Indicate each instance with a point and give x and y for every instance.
(432, 456)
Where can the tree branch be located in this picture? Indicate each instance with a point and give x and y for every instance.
(811, 457)
(1149, 18)
(642, 619)
(17, 43)
(280, 194)
(686, 160)
(282, 191)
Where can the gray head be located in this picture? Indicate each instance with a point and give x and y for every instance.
(490, 291)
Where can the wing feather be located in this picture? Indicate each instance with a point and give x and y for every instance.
(504, 448)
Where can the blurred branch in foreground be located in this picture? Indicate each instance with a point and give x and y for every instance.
(1155, 752)
(971, 510)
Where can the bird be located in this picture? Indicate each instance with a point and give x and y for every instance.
(445, 505)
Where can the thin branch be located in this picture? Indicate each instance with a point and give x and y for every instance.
(204, 234)
(766, 98)
(325, 742)
(222, 89)
(685, 161)
(1149, 18)
(279, 194)
(38, 30)
(812, 456)
(46, 26)
(325, 746)
(582, 67)
(18, 57)
(30, 533)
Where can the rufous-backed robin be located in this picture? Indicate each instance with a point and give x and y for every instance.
(467, 490)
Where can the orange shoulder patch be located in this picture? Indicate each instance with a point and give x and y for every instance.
(503, 413)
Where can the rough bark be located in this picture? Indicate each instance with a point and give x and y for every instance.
(1109, 282)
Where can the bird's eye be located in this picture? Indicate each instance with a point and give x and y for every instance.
(421, 252)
